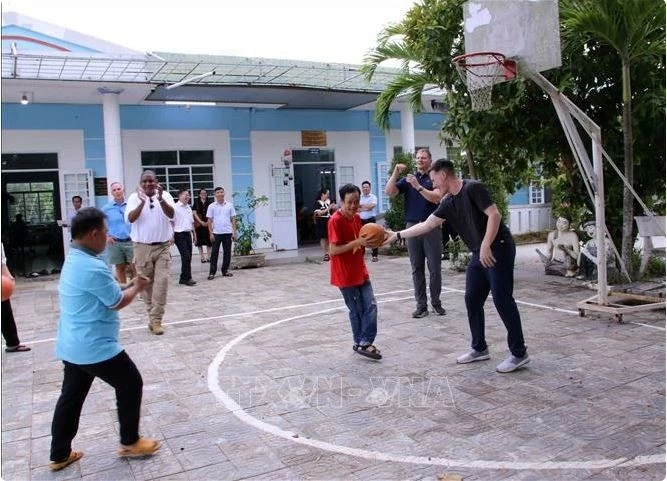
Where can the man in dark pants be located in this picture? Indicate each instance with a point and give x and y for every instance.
(88, 342)
(184, 235)
(9, 332)
(221, 217)
(421, 199)
(476, 218)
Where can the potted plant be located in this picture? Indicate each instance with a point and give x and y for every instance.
(246, 231)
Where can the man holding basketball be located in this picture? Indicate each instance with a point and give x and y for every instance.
(349, 272)
(476, 218)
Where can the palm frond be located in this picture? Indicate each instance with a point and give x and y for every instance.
(412, 83)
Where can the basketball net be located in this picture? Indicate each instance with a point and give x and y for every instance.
(479, 71)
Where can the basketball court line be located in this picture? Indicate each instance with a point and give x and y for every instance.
(242, 415)
(330, 301)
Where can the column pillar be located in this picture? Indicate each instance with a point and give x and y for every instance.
(113, 146)
(407, 128)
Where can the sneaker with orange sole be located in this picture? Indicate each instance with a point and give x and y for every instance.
(143, 447)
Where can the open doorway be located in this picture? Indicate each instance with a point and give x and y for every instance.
(31, 236)
(314, 169)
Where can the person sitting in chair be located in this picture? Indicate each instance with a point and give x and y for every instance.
(562, 251)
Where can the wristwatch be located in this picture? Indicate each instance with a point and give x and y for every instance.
(420, 189)
(398, 235)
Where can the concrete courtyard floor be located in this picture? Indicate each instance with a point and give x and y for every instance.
(255, 378)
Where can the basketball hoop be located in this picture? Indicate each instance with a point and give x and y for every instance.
(479, 71)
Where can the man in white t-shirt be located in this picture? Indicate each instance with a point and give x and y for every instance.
(184, 235)
(368, 209)
(150, 210)
(221, 217)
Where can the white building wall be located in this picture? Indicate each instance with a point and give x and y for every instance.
(135, 141)
(351, 149)
(266, 149)
(68, 144)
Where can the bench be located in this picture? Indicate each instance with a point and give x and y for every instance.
(649, 227)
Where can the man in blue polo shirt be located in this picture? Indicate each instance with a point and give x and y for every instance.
(88, 342)
(421, 199)
(119, 244)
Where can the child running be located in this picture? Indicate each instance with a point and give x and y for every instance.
(349, 273)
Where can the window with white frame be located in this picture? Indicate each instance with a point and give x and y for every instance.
(382, 178)
(181, 169)
(536, 193)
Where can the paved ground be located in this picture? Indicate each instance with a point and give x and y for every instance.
(255, 378)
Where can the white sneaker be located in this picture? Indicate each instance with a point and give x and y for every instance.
(473, 356)
(512, 363)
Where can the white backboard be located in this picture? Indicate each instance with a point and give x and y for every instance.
(524, 30)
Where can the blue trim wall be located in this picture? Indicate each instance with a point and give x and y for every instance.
(239, 122)
(35, 47)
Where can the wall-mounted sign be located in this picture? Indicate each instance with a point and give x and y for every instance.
(314, 151)
(313, 138)
(101, 187)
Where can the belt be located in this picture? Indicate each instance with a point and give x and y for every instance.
(127, 239)
(153, 243)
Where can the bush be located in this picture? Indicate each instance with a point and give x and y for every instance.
(459, 254)
(246, 231)
(395, 217)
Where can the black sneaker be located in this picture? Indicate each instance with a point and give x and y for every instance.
(439, 310)
(420, 312)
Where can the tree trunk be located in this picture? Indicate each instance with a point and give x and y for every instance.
(628, 162)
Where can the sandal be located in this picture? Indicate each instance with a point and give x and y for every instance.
(74, 456)
(369, 351)
(326, 257)
(19, 348)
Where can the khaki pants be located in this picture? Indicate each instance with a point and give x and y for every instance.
(152, 261)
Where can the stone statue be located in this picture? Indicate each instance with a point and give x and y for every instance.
(588, 258)
(562, 251)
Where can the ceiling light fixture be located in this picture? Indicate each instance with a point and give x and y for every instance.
(24, 99)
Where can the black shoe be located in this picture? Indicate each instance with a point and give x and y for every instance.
(190, 282)
(227, 274)
(210, 277)
(420, 312)
(439, 310)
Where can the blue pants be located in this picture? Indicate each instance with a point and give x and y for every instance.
(498, 279)
(363, 312)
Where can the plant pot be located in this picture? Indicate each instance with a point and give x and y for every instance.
(247, 261)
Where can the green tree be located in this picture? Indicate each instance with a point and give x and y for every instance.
(635, 30)
(395, 216)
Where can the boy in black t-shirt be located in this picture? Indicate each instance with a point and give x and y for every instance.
(474, 215)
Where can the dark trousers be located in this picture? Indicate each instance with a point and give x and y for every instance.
(498, 279)
(183, 241)
(8, 325)
(426, 250)
(371, 220)
(226, 241)
(119, 372)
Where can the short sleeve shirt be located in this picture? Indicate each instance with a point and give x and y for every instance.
(365, 200)
(417, 208)
(183, 219)
(88, 328)
(465, 212)
(119, 228)
(221, 214)
(152, 225)
(347, 269)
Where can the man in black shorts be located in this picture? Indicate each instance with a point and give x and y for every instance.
(476, 218)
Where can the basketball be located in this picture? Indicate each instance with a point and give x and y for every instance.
(7, 287)
(373, 233)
